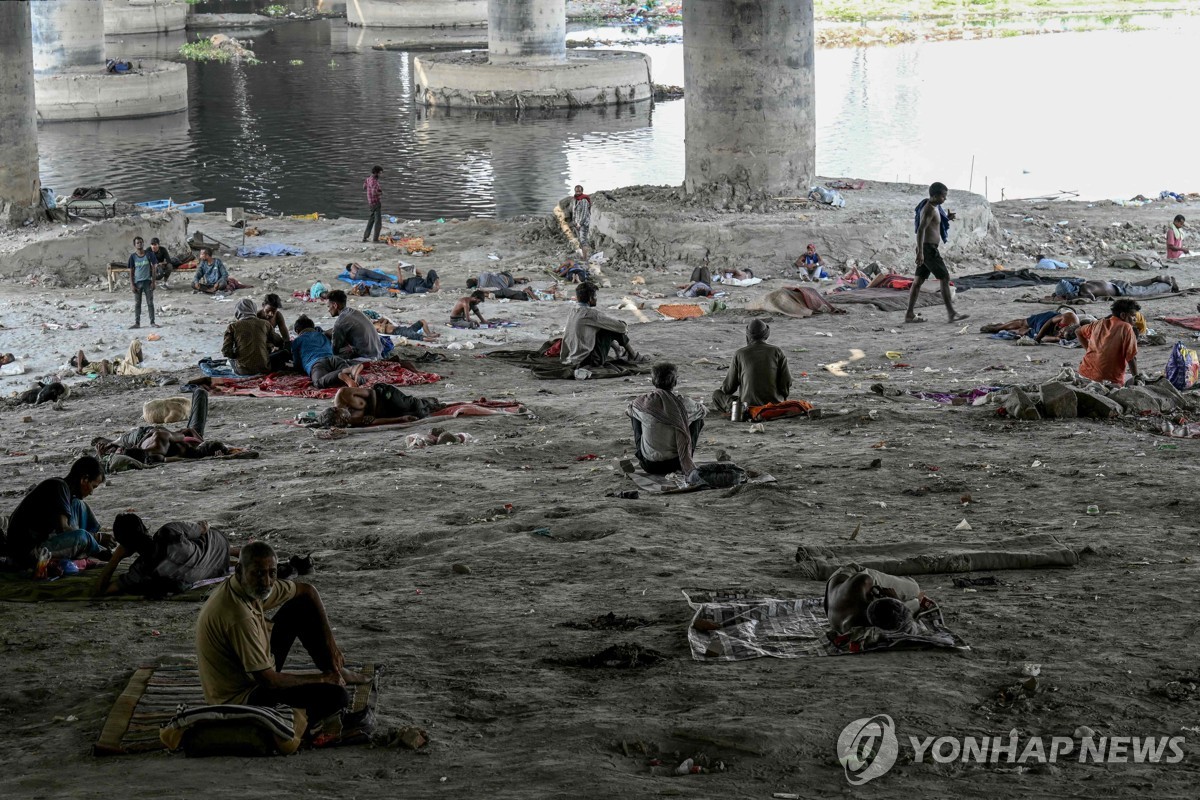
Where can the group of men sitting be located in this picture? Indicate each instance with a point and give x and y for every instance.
(240, 653)
(1110, 344)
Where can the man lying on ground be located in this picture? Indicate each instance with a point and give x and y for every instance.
(694, 289)
(419, 331)
(354, 335)
(1048, 326)
(52, 521)
(460, 315)
(857, 597)
(312, 354)
(1097, 289)
(177, 556)
(502, 285)
(241, 655)
(759, 373)
(360, 273)
(418, 283)
(591, 336)
(381, 404)
(1110, 345)
(251, 343)
(666, 426)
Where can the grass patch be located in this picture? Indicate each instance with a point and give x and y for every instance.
(205, 50)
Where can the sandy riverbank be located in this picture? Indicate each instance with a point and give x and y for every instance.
(471, 658)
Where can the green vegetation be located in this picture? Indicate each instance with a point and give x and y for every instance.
(205, 50)
(295, 62)
(275, 11)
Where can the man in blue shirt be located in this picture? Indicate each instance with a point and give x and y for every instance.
(142, 281)
(312, 353)
(211, 275)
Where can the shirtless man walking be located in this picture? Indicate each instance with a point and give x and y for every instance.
(932, 229)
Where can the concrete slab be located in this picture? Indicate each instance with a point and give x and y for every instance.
(660, 224)
(590, 78)
(159, 87)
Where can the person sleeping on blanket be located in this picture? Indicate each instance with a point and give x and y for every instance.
(381, 404)
(1096, 289)
(858, 597)
(1048, 326)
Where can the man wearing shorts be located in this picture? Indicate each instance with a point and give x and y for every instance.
(932, 229)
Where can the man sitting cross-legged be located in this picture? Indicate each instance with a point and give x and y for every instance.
(241, 654)
(312, 353)
(666, 426)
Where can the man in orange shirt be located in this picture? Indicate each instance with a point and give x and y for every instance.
(1111, 345)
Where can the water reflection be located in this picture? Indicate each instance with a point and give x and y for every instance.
(297, 138)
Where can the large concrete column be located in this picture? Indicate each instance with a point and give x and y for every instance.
(527, 31)
(19, 184)
(71, 82)
(415, 13)
(526, 66)
(750, 111)
(128, 17)
(67, 34)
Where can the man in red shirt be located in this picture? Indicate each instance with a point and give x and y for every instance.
(375, 202)
(1111, 345)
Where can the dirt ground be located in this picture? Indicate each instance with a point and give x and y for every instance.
(476, 659)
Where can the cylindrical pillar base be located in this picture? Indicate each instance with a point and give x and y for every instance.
(67, 34)
(750, 112)
(527, 31)
(20, 187)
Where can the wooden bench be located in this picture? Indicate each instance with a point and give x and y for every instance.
(113, 272)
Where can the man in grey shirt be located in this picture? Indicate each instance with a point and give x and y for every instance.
(176, 557)
(354, 335)
(501, 284)
(142, 265)
(590, 335)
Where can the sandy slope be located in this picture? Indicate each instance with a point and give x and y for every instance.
(472, 658)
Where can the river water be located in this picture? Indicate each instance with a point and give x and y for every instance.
(1095, 113)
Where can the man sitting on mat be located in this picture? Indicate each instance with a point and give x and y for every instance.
(590, 336)
(52, 521)
(666, 426)
(759, 373)
(312, 354)
(241, 654)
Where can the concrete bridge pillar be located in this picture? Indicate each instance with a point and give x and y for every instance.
(67, 34)
(19, 184)
(527, 31)
(750, 108)
(526, 66)
(71, 82)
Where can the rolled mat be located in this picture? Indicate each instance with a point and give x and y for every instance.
(1034, 551)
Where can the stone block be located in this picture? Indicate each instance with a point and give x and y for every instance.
(1019, 405)
(1095, 406)
(1058, 401)
(1137, 400)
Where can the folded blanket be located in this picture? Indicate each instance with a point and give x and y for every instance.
(796, 301)
(291, 384)
(1033, 551)
(887, 299)
(734, 625)
(680, 310)
(1191, 323)
(1003, 279)
(788, 408)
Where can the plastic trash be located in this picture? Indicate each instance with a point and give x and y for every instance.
(1093, 510)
